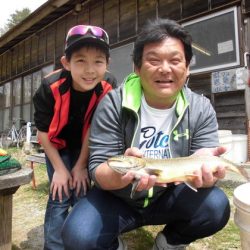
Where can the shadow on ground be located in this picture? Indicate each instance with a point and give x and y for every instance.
(141, 238)
(34, 240)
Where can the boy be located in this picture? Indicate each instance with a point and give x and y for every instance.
(64, 106)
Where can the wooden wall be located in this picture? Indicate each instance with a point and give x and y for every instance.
(230, 110)
(122, 20)
(229, 106)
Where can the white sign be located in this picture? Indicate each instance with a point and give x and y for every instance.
(225, 47)
(229, 80)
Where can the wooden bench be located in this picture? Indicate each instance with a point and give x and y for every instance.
(37, 158)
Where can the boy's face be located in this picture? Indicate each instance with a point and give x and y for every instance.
(87, 66)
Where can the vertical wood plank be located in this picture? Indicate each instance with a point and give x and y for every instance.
(5, 221)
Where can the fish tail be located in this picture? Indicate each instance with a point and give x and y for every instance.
(240, 169)
(244, 172)
(237, 168)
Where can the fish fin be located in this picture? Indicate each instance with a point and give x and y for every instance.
(190, 185)
(153, 171)
(135, 184)
(189, 182)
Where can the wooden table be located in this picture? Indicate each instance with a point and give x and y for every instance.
(8, 186)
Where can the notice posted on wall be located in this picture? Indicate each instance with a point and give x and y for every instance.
(229, 80)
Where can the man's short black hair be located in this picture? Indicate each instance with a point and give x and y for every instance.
(156, 31)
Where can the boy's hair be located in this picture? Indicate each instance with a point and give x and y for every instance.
(88, 36)
(157, 31)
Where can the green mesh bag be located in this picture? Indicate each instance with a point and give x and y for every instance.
(8, 165)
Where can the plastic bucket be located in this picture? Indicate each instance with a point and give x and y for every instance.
(242, 213)
(239, 148)
(225, 139)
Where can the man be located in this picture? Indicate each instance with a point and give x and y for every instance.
(153, 115)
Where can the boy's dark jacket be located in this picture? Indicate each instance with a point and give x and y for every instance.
(54, 94)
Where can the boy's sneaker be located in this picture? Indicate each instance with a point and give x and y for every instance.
(122, 244)
(162, 244)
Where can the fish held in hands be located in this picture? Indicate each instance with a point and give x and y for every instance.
(174, 169)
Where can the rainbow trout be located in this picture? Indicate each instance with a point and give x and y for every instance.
(171, 170)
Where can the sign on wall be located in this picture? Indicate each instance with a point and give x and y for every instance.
(229, 80)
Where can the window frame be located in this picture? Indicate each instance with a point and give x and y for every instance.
(225, 65)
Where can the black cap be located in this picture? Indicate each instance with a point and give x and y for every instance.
(82, 34)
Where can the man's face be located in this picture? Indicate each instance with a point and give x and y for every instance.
(163, 72)
(87, 66)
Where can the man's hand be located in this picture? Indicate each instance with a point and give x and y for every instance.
(211, 151)
(146, 181)
(206, 178)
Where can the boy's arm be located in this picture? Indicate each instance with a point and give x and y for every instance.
(61, 180)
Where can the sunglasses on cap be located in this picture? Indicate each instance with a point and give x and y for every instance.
(83, 30)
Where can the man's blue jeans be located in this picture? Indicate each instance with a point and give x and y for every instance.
(97, 220)
(56, 212)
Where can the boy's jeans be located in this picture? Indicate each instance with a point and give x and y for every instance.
(99, 218)
(56, 212)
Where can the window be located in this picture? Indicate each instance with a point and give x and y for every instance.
(1, 97)
(17, 91)
(6, 94)
(26, 112)
(1, 107)
(6, 105)
(215, 41)
(47, 70)
(121, 63)
(6, 118)
(27, 89)
(17, 94)
(36, 81)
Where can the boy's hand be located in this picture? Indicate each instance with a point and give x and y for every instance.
(80, 179)
(61, 182)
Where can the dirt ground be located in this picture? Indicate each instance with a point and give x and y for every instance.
(28, 216)
(27, 224)
(28, 210)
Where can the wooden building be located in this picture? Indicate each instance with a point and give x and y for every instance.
(220, 30)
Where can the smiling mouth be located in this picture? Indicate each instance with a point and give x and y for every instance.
(89, 80)
(164, 81)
